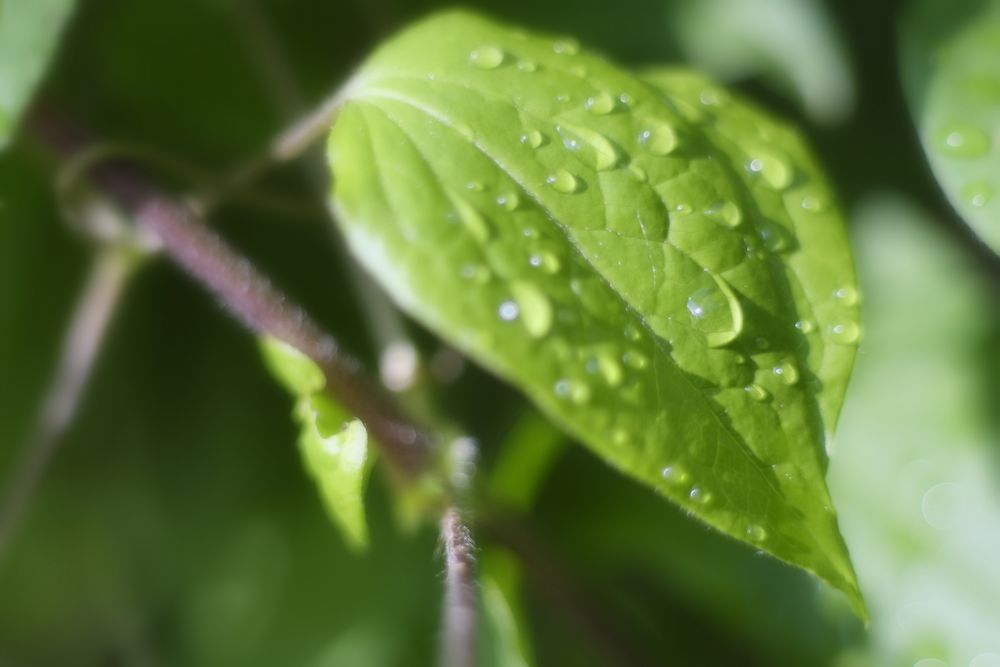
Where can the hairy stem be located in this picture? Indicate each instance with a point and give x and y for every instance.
(458, 638)
(248, 294)
(82, 342)
(251, 297)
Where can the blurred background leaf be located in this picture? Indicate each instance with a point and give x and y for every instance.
(950, 59)
(29, 35)
(793, 44)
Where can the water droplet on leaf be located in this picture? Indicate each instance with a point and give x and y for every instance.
(509, 201)
(532, 138)
(535, 308)
(657, 137)
(978, 193)
(716, 312)
(773, 168)
(566, 47)
(508, 311)
(699, 495)
(845, 333)
(600, 104)
(787, 371)
(487, 57)
(563, 181)
(961, 140)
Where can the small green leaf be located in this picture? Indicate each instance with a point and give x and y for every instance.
(334, 447)
(29, 34)
(951, 67)
(660, 268)
(506, 630)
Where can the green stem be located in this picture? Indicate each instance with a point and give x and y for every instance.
(82, 342)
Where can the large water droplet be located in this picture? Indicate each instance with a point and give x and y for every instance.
(657, 137)
(533, 138)
(610, 369)
(632, 333)
(563, 181)
(475, 186)
(978, 193)
(756, 533)
(536, 310)
(716, 312)
(635, 359)
(775, 237)
(700, 495)
(846, 295)
(805, 326)
(471, 218)
(756, 392)
(527, 66)
(566, 47)
(845, 333)
(601, 104)
(813, 203)
(787, 371)
(962, 140)
(574, 390)
(726, 213)
(674, 474)
(598, 148)
(508, 311)
(773, 168)
(545, 261)
(509, 201)
(487, 57)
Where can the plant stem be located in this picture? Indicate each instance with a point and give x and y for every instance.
(251, 297)
(82, 342)
(458, 640)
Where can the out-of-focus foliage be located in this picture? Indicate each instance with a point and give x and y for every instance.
(951, 64)
(791, 42)
(178, 526)
(914, 471)
(29, 35)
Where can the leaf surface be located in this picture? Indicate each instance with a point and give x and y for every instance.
(334, 447)
(29, 34)
(681, 302)
(951, 68)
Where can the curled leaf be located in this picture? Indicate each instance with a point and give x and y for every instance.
(334, 447)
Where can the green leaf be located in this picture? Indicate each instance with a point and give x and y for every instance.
(334, 447)
(29, 34)
(667, 280)
(505, 628)
(951, 59)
